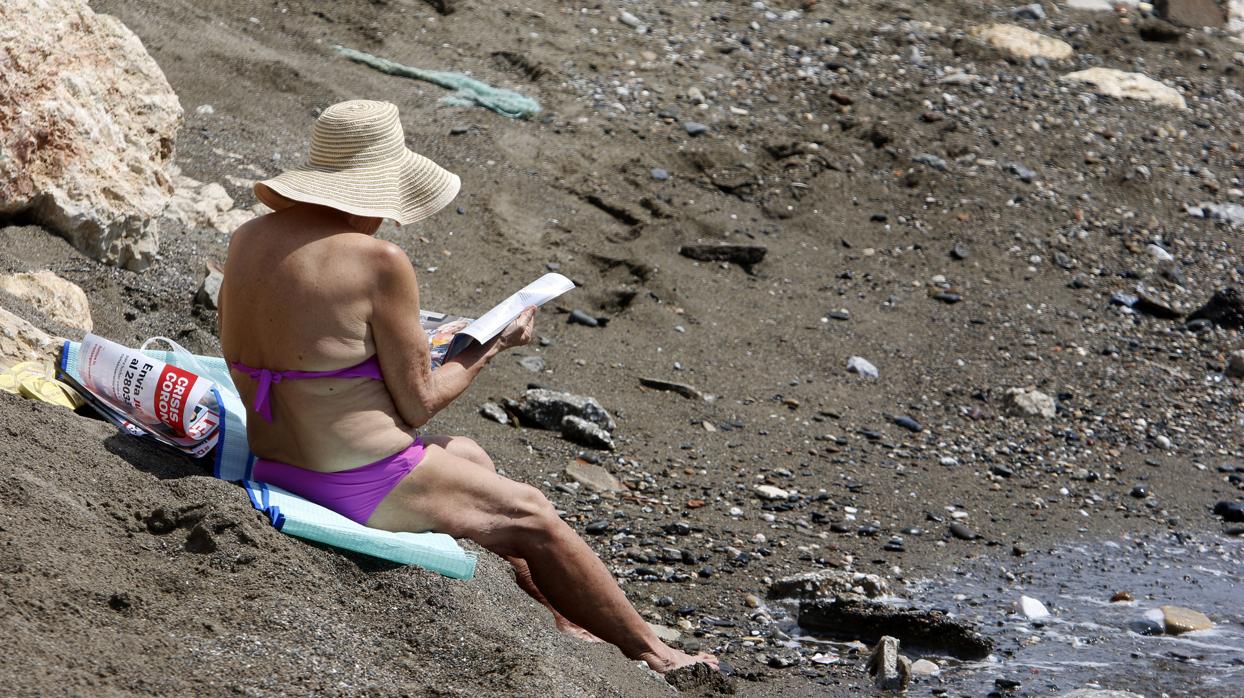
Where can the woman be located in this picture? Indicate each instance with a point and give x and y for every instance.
(320, 322)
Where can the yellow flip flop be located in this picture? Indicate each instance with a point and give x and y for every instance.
(50, 391)
(11, 377)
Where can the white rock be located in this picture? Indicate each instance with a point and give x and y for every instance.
(1023, 43)
(205, 110)
(89, 126)
(22, 341)
(208, 294)
(60, 300)
(862, 366)
(1032, 608)
(771, 492)
(1160, 254)
(1124, 85)
(204, 205)
(1022, 402)
(923, 667)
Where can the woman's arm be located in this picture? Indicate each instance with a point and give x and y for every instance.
(417, 390)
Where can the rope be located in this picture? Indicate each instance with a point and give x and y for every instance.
(467, 91)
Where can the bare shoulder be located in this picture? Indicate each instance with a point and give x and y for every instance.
(390, 263)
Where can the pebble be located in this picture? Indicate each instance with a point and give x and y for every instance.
(695, 128)
(535, 364)
(772, 493)
(908, 423)
(494, 412)
(1032, 608)
(962, 532)
(923, 667)
(1140, 492)
(597, 527)
(1232, 512)
(960, 251)
(659, 174)
(1121, 596)
(578, 317)
(1034, 11)
(1179, 620)
(948, 297)
(862, 366)
(841, 315)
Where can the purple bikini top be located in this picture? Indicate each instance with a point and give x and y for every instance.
(264, 378)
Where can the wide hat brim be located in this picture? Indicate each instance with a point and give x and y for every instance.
(405, 189)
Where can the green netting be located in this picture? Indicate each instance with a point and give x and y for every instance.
(467, 90)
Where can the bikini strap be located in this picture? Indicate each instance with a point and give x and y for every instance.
(264, 378)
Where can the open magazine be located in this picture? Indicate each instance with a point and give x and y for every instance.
(450, 334)
(144, 396)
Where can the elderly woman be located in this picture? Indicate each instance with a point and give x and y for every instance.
(320, 323)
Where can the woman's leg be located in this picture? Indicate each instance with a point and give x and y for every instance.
(448, 494)
(466, 448)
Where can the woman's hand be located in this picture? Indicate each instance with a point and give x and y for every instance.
(519, 332)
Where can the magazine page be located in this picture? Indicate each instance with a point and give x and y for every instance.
(160, 397)
(491, 323)
(440, 329)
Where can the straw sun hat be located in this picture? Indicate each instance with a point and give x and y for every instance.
(359, 164)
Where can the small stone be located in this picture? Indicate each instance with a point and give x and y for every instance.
(947, 297)
(1140, 492)
(1146, 626)
(666, 633)
(535, 364)
(687, 391)
(908, 423)
(772, 493)
(887, 667)
(840, 315)
(960, 251)
(1232, 512)
(1034, 11)
(1024, 174)
(932, 161)
(1123, 85)
(1023, 402)
(1179, 620)
(923, 667)
(862, 366)
(752, 601)
(1023, 44)
(962, 532)
(593, 477)
(659, 175)
(578, 317)
(695, 128)
(586, 433)
(1032, 608)
(597, 527)
(494, 412)
(1121, 596)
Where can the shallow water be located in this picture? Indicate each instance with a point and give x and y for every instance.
(1086, 641)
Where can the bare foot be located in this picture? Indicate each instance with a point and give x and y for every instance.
(671, 659)
(568, 628)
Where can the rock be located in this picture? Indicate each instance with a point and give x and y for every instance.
(862, 366)
(597, 527)
(1146, 627)
(932, 161)
(535, 364)
(1024, 174)
(658, 174)
(772, 493)
(59, 300)
(1193, 14)
(886, 666)
(1123, 85)
(1232, 214)
(908, 423)
(586, 433)
(1026, 402)
(682, 389)
(593, 477)
(1179, 620)
(545, 409)
(699, 679)
(578, 317)
(695, 128)
(1099, 693)
(962, 532)
(960, 251)
(1232, 512)
(828, 583)
(22, 341)
(947, 297)
(666, 633)
(923, 667)
(89, 126)
(208, 294)
(869, 621)
(1034, 11)
(206, 206)
(1225, 309)
(742, 255)
(1121, 596)
(1023, 43)
(494, 412)
(1159, 31)
(1032, 608)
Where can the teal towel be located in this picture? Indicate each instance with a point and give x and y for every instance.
(288, 512)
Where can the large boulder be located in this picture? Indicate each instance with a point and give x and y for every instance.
(87, 125)
(22, 341)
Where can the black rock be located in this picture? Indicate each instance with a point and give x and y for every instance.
(948, 297)
(962, 532)
(1140, 492)
(663, 601)
(908, 423)
(1159, 31)
(695, 128)
(894, 545)
(595, 527)
(1007, 684)
(841, 528)
(839, 315)
(677, 528)
(1230, 511)
(960, 251)
(1144, 626)
(1001, 471)
(868, 622)
(743, 255)
(1225, 309)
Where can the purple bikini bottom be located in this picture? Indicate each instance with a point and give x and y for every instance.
(353, 493)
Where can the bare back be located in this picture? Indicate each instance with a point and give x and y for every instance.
(296, 296)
